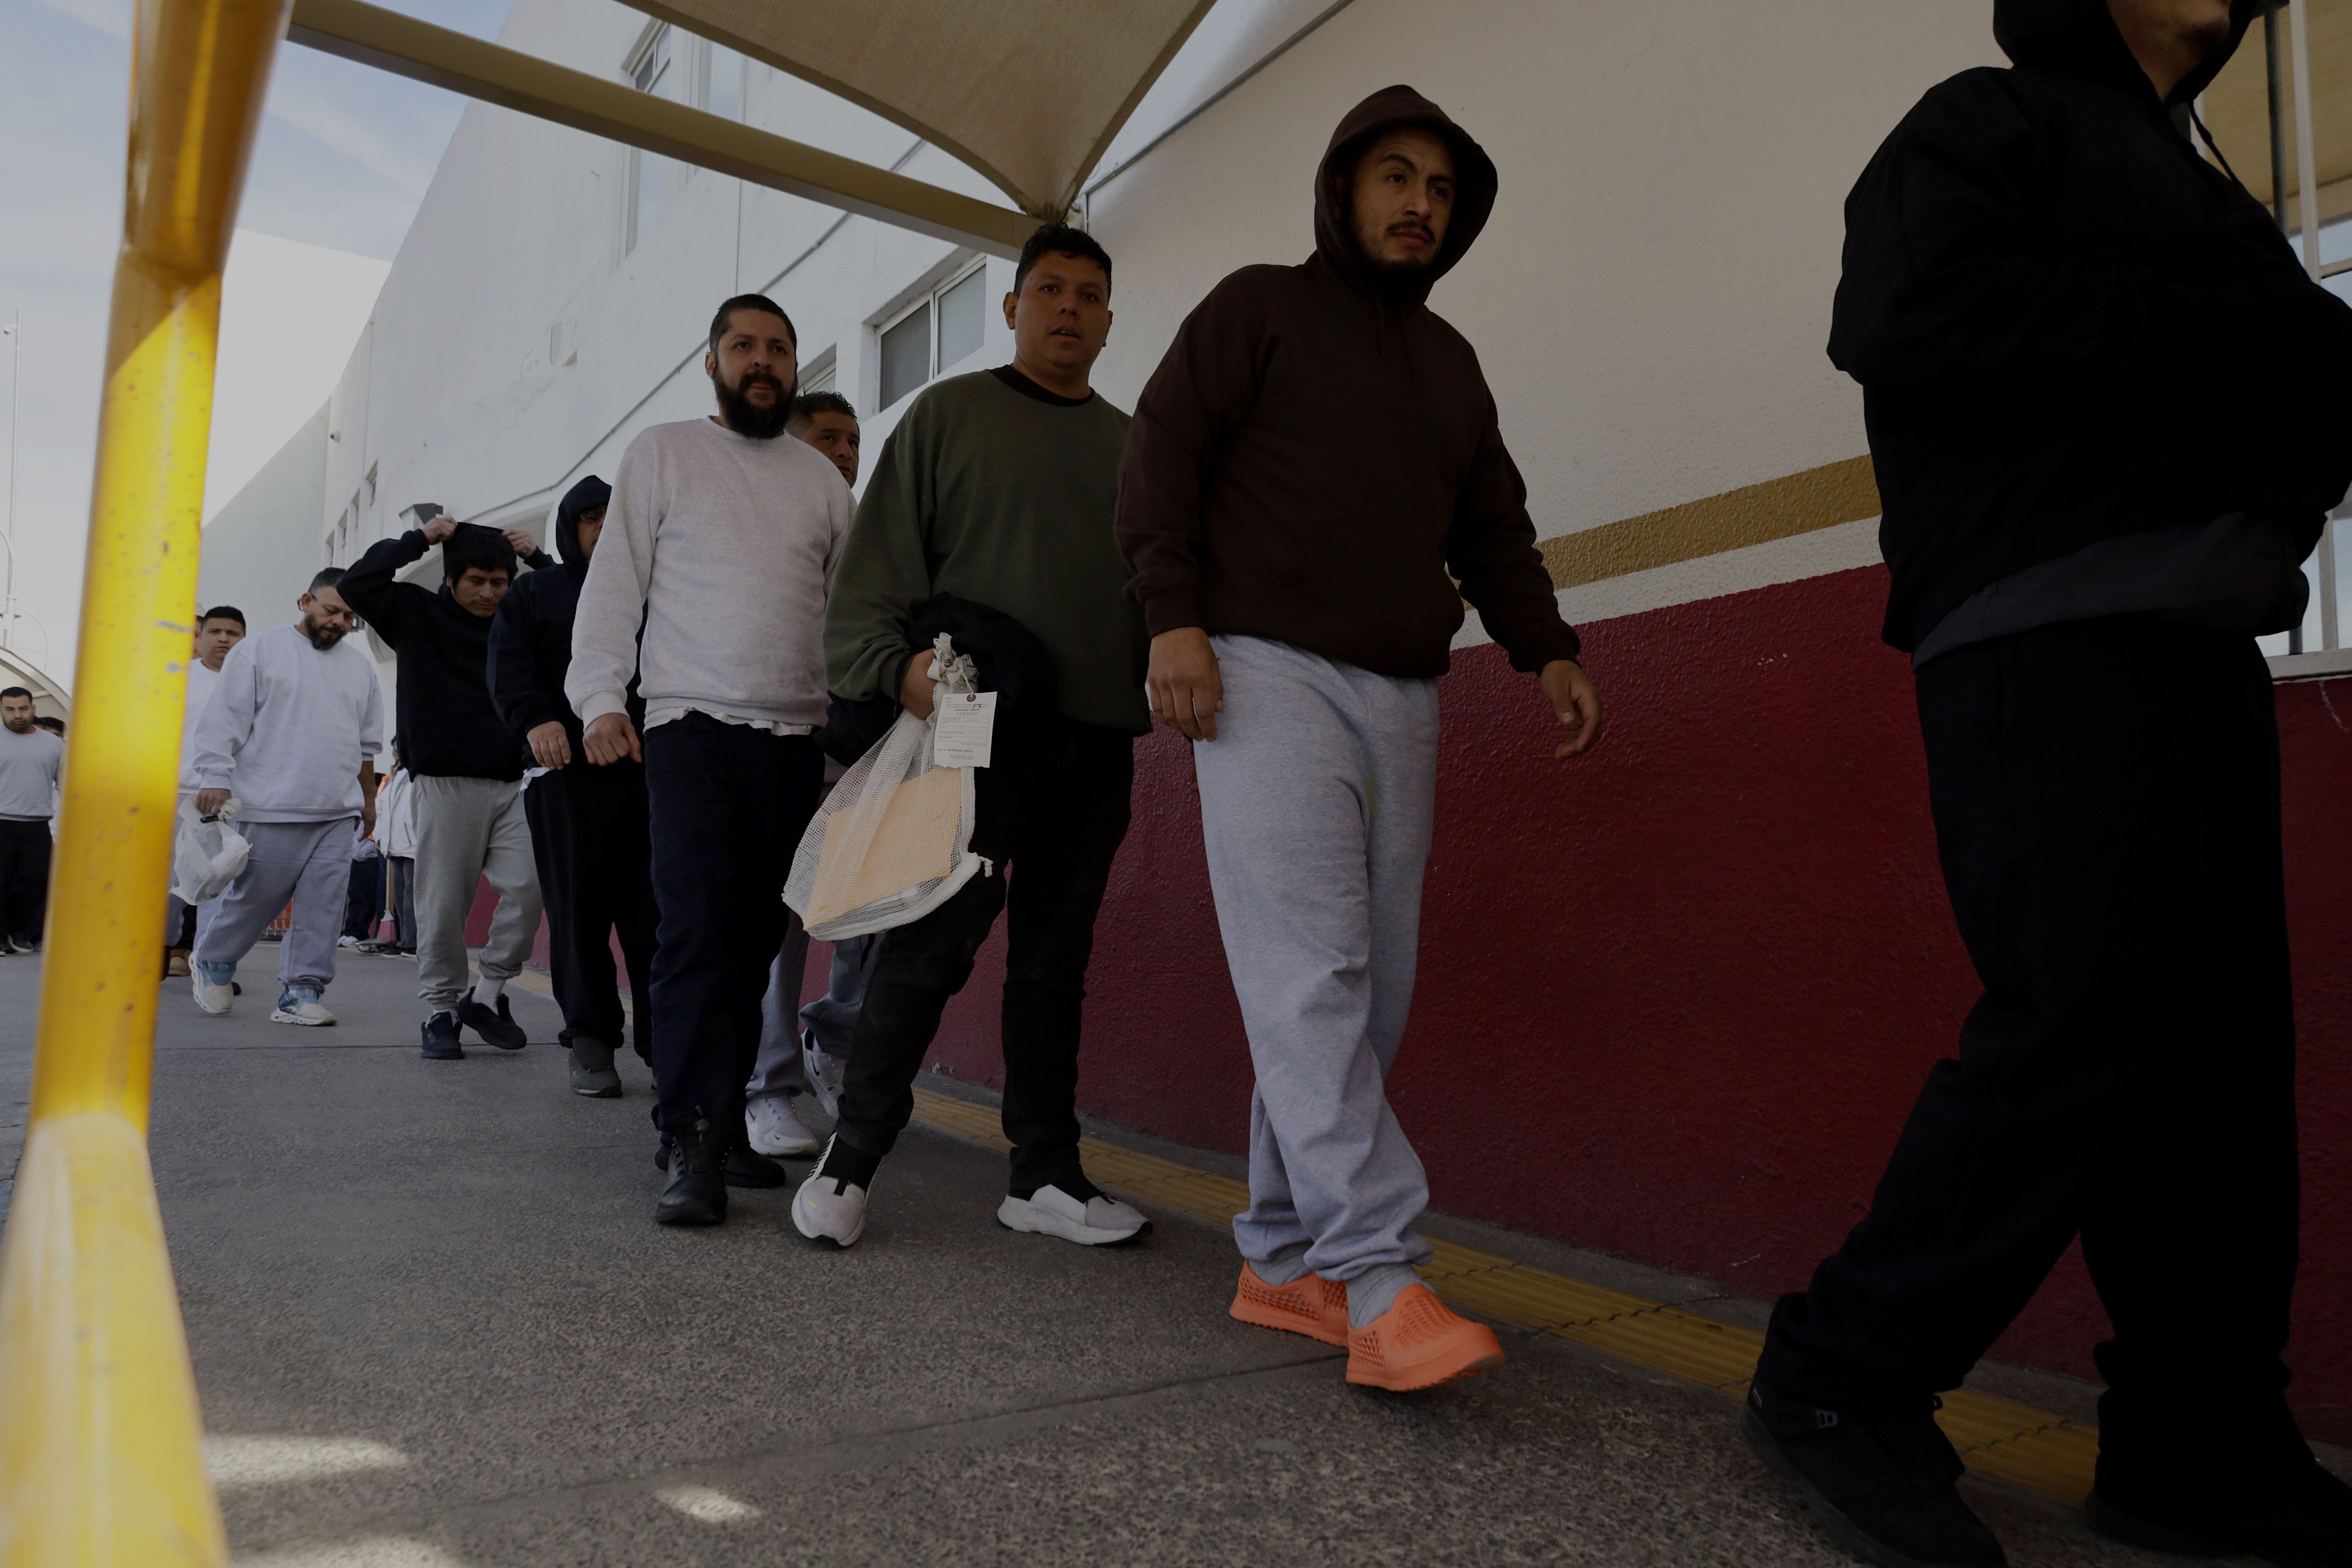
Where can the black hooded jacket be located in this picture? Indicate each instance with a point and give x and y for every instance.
(1317, 458)
(447, 726)
(2070, 327)
(531, 637)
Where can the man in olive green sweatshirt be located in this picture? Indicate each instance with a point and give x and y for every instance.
(998, 488)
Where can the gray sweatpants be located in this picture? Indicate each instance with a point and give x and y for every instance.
(307, 863)
(468, 829)
(1315, 802)
(832, 1016)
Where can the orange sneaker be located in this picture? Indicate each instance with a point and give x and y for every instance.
(1419, 1343)
(1309, 1305)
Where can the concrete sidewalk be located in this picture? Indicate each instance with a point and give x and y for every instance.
(435, 1324)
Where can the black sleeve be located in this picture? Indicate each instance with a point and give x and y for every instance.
(523, 704)
(1949, 271)
(368, 586)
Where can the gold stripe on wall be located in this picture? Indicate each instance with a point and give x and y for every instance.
(1795, 504)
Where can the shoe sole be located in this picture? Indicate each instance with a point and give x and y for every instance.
(787, 1152)
(212, 1011)
(801, 1224)
(1834, 1522)
(601, 1091)
(1244, 1310)
(702, 1217)
(452, 1054)
(1013, 1214)
(1429, 1374)
(281, 1016)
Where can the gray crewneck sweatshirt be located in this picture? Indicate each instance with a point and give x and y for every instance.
(724, 547)
(288, 726)
(29, 765)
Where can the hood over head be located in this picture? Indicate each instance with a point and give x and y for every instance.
(1397, 108)
(2080, 38)
(586, 495)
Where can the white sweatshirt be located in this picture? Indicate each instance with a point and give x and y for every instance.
(29, 765)
(289, 727)
(724, 546)
(202, 684)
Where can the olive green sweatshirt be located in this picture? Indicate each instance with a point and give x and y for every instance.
(995, 490)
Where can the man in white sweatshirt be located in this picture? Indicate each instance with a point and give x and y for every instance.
(292, 732)
(719, 541)
(218, 630)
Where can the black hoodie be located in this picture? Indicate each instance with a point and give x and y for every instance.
(531, 639)
(447, 726)
(2069, 327)
(1318, 460)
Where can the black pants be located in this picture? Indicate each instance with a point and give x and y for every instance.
(729, 803)
(591, 835)
(1056, 811)
(2106, 805)
(23, 878)
(363, 905)
(404, 902)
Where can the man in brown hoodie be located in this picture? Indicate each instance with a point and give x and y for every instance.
(1314, 468)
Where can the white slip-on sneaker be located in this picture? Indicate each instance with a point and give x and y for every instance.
(829, 1209)
(215, 986)
(302, 1007)
(1097, 1221)
(775, 1131)
(823, 1073)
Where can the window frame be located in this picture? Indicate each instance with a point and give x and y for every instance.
(931, 299)
(654, 50)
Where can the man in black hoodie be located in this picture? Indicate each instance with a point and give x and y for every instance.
(589, 827)
(468, 777)
(2101, 401)
(1313, 468)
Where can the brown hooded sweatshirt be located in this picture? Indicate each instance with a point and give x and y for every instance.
(1317, 453)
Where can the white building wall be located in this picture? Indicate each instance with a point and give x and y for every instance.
(1649, 299)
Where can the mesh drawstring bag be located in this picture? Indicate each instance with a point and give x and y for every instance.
(893, 841)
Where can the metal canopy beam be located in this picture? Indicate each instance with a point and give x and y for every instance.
(529, 85)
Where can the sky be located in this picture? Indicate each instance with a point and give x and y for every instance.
(344, 156)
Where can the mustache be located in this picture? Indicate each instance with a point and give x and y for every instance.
(1411, 227)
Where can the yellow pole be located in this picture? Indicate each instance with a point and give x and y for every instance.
(101, 1441)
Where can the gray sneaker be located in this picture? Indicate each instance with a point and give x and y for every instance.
(822, 1073)
(592, 1069)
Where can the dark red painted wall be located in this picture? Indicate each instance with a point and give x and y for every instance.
(1674, 999)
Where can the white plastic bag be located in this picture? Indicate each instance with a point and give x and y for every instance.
(893, 841)
(205, 856)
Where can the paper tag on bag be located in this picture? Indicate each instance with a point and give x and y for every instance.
(967, 723)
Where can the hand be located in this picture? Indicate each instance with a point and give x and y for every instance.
(210, 801)
(439, 529)
(918, 690)
(367, 815)
(549, 744)
(609, 740)
(1187, 693)
(525, 546)
(1579, 705)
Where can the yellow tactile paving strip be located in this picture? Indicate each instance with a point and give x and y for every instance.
(2000, 1439)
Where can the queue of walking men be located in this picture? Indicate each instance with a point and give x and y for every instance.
(1271, 555)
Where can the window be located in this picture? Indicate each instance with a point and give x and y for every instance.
(371, 484)
(819, 380)
(935, 334)
(722, 87)
(648, 180)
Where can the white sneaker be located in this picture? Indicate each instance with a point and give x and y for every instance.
(300, 1006)
(215, 990)
(775, 1131)
(1098, 1222)
(829, 1209)
(823, 1073)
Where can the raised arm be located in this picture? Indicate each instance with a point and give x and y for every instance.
(370, 586)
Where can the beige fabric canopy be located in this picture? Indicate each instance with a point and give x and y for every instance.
(1028, 92)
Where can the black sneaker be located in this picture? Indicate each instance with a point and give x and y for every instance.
(1880, 1486)
(696, 1195)
(743, 1167)
(2304, 1520)
(441, 1045)
(498, 1028)
(591, 1067)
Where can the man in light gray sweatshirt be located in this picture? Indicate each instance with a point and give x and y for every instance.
(291, 731)
(719, 540)
(31, 761)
